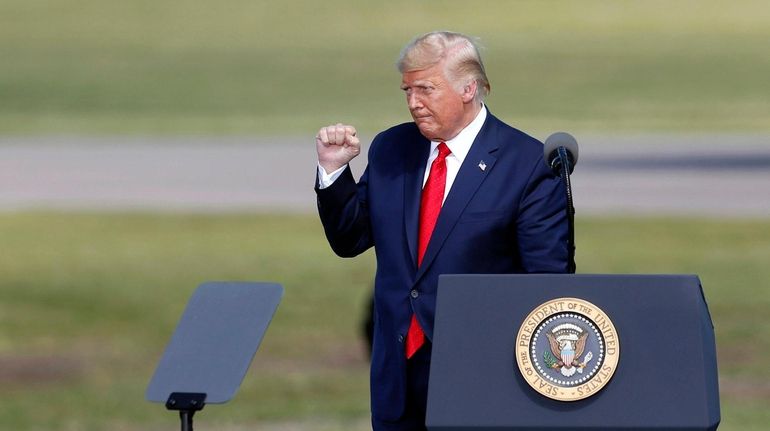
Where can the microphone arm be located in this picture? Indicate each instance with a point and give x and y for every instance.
(566, 168)
(561, 155)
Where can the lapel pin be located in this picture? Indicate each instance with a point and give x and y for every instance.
(482, 165)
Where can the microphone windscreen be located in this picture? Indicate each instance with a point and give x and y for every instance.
(561, 139)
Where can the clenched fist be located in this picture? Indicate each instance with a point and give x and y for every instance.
(336, 145)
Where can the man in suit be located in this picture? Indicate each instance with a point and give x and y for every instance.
(454, 191)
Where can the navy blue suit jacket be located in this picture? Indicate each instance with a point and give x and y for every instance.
(506, 218)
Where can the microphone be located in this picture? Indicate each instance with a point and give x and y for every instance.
(561, 150)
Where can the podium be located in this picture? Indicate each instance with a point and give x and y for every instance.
(665, 377)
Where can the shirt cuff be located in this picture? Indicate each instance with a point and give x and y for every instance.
(324, 179)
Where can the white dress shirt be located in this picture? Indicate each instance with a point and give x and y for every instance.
(460, 145)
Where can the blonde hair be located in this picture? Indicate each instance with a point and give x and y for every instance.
(460, 53)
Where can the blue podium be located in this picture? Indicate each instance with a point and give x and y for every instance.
(509, 349)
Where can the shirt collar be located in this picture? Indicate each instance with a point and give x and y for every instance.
(460, 145)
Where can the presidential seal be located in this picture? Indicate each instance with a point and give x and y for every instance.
(567, 349)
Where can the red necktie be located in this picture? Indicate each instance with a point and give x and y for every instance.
(430, 206)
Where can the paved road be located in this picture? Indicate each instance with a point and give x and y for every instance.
(713, 175)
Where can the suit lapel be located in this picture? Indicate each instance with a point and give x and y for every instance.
(415, 159)
(467, 182)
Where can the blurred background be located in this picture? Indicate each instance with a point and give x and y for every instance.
(149, 146)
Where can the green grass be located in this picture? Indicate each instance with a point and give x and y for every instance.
(103, 294)
(243, 67)
(88, 301)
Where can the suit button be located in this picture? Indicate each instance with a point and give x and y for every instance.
(415, 293)
(400, 338)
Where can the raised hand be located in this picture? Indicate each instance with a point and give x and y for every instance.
(336, 145)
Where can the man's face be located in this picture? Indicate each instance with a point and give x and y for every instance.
(437, 109)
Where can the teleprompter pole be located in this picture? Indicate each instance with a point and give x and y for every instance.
(187, 404)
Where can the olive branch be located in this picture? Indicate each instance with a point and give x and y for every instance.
(549, 359)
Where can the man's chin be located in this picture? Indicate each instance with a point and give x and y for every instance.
(426, 130)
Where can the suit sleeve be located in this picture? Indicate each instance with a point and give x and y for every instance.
(344, 214)
(542, 227)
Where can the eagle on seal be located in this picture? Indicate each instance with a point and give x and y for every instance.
(569, 347)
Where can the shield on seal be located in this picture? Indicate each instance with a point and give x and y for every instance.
(567, 356)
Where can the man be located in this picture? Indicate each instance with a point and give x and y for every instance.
(455, 191)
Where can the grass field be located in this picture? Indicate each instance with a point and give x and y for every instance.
(244, 66)
(88, 301)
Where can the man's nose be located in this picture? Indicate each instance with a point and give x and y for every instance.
(413, 101)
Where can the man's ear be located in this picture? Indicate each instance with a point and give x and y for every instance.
(469, 91)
